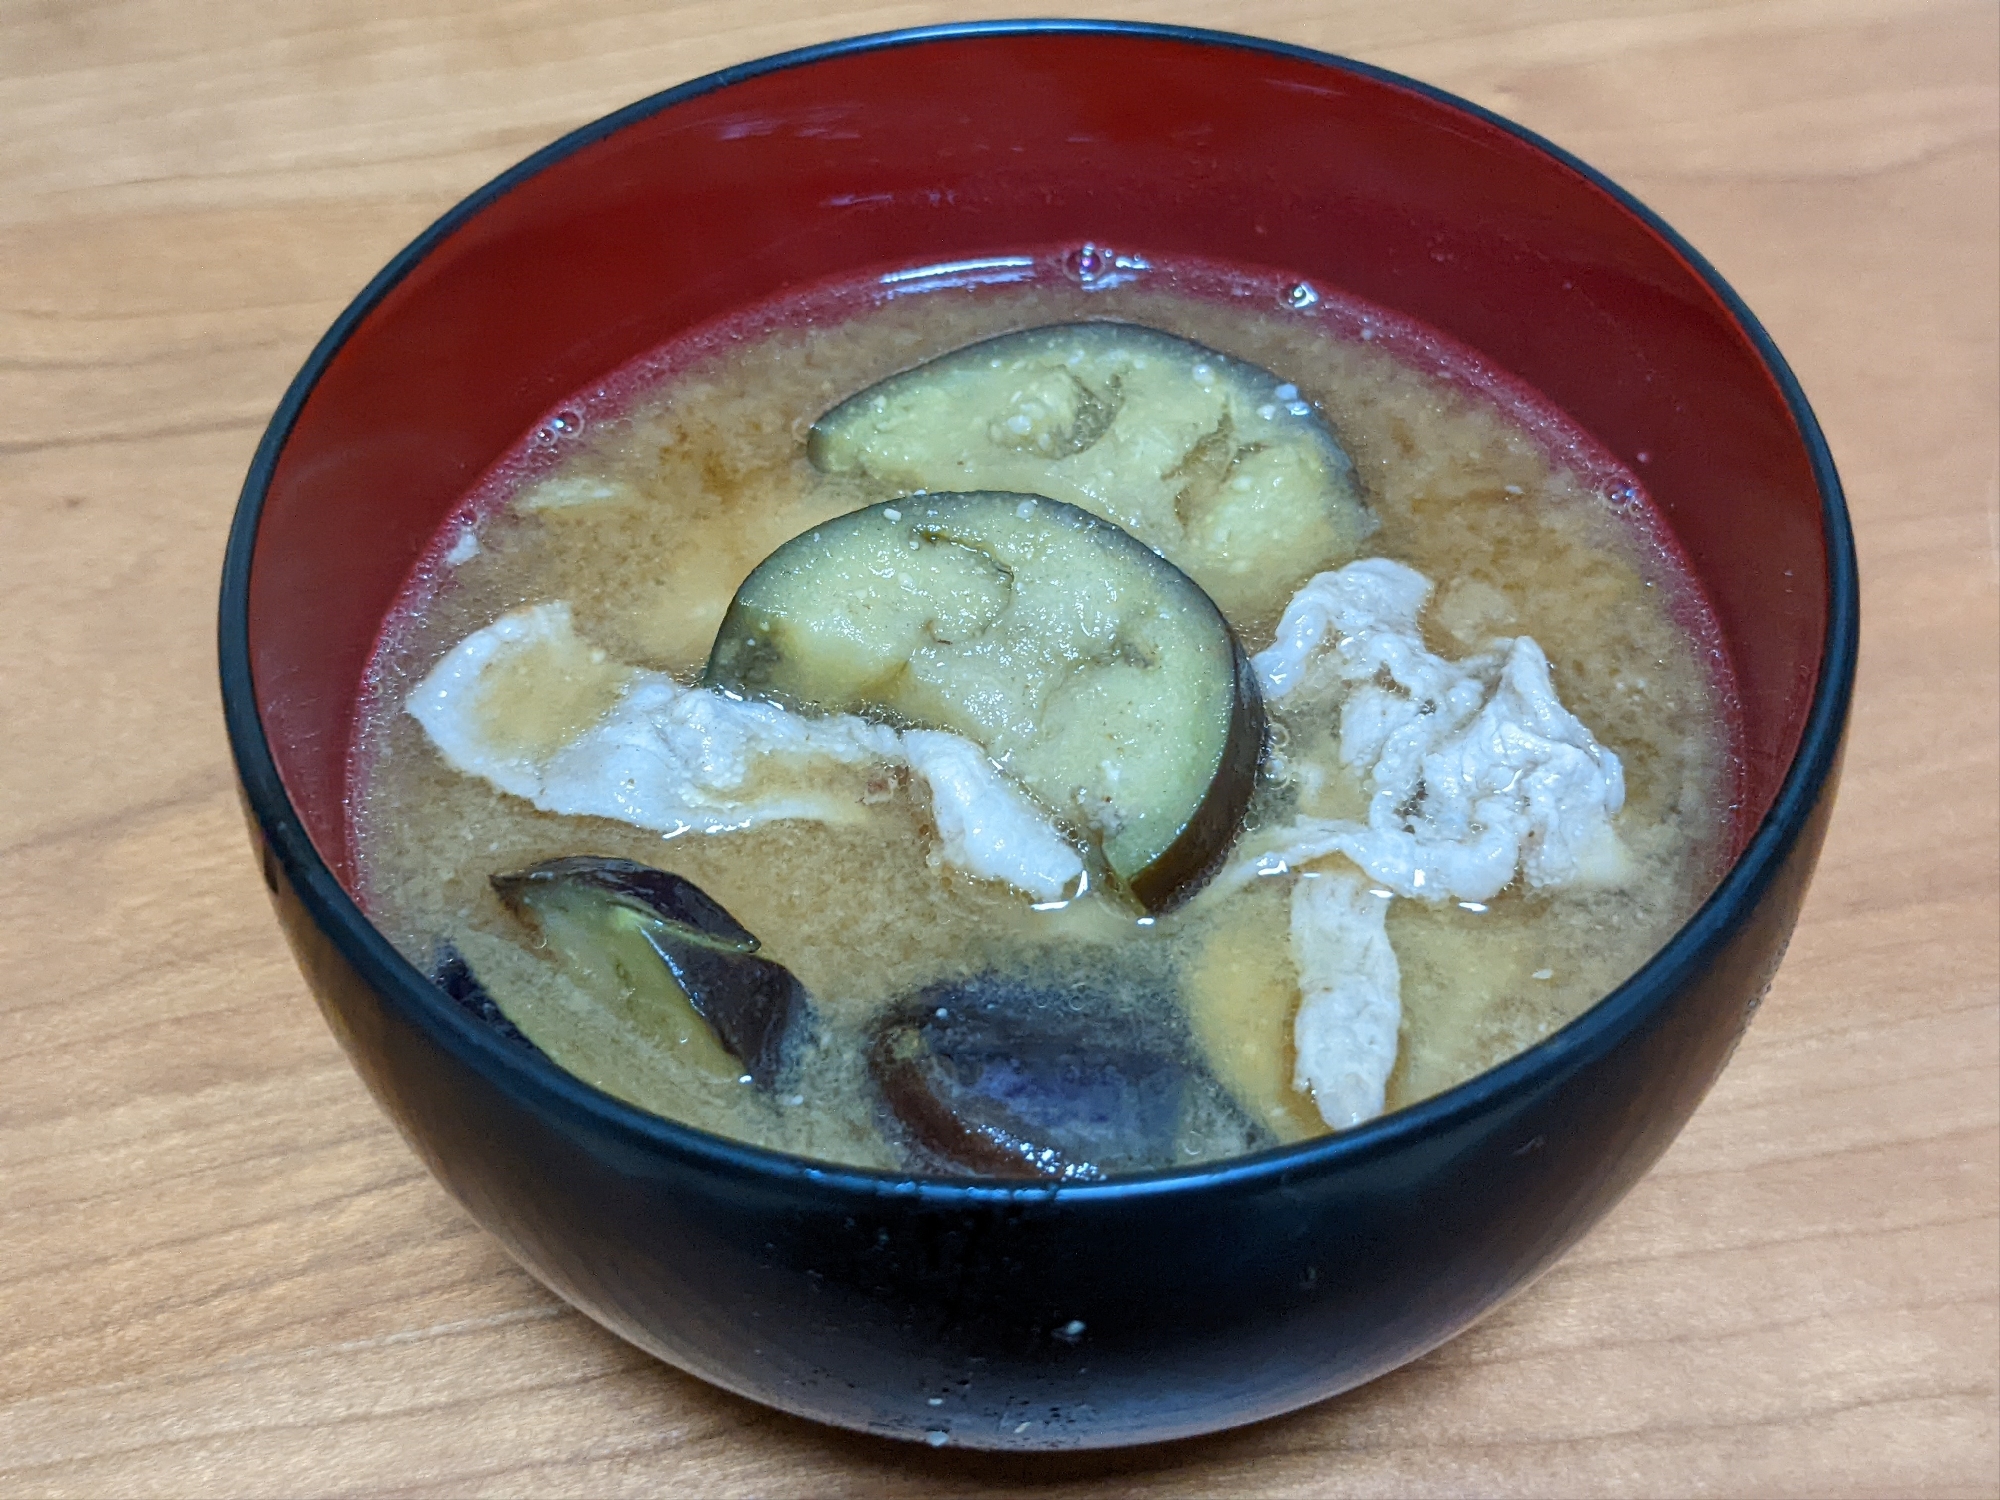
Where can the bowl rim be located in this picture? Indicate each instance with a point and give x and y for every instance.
(539, 1084)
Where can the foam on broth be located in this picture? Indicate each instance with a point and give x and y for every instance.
(677, 478)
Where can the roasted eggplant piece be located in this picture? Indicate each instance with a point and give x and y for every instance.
(452, 974)
(1035, 1078)
(1219, 464)
(639, 932)
(1088, 667)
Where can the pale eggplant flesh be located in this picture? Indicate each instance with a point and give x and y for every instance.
(1220, 464)
(656, 935)
(1088, 667)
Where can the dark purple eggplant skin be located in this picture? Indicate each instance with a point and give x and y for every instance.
(1025, 1078)
(1186, 864)
(452, 974)
(756, 1008)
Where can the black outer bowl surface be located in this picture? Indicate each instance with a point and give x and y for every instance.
(1042, 1317)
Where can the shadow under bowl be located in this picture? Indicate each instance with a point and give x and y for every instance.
(1025, 1316)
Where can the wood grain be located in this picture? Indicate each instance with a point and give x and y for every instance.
(220, 1270)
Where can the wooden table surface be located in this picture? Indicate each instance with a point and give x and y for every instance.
(221, 1272)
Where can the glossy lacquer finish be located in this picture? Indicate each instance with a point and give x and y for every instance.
(1091, 1315)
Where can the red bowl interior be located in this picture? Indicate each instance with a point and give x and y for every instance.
(959, 147)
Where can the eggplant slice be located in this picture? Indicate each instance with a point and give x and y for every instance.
(452, 974)
(1003, 1076)
(1218, 463)
(620, 925)
(1088, 667)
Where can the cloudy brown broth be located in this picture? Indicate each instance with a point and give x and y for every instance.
(644, 506)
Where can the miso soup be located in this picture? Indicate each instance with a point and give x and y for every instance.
(1471, 770)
